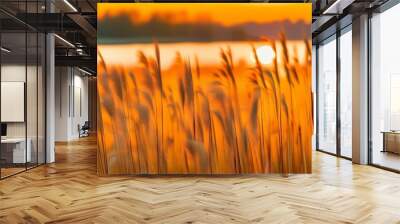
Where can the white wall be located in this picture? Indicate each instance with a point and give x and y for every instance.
(80, 109)
(71, 102)
(62, 81)
(13, 72)
(16, 73)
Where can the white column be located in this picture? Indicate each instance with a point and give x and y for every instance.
(50, 99)
(50, 92)
(360, 89)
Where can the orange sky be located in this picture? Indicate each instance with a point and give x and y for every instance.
(225, 13)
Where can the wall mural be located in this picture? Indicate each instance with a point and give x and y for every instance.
(204, 88)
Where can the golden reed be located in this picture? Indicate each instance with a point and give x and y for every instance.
(234, 120)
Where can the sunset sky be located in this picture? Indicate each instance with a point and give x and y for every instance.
(224, 13)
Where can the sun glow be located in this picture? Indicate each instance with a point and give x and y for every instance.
(265, 54)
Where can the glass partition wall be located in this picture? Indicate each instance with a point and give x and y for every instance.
(385, 89)
(13, 90)
(22, 77)
(334, 94)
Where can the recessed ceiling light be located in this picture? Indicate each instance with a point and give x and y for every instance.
(5, 50)
(70, 5)
(337, 7)
(64, 40)
(84, 71)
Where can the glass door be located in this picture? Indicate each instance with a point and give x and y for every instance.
(326, 132)
(345, 92)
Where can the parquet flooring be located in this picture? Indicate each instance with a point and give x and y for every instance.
(10, 171)
(69, 191)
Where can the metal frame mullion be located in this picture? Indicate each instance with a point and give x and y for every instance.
(338, 93)
(37, 91)
(26, 87)
(317, 97)
(369, 78)
(0, 95)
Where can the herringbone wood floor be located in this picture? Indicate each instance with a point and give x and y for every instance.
(69, 191)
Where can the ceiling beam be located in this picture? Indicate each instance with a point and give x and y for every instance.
(77, 61)
(337, 7)
(49, 22)
(84, 24)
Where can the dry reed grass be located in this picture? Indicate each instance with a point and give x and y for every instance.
(150, 124)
